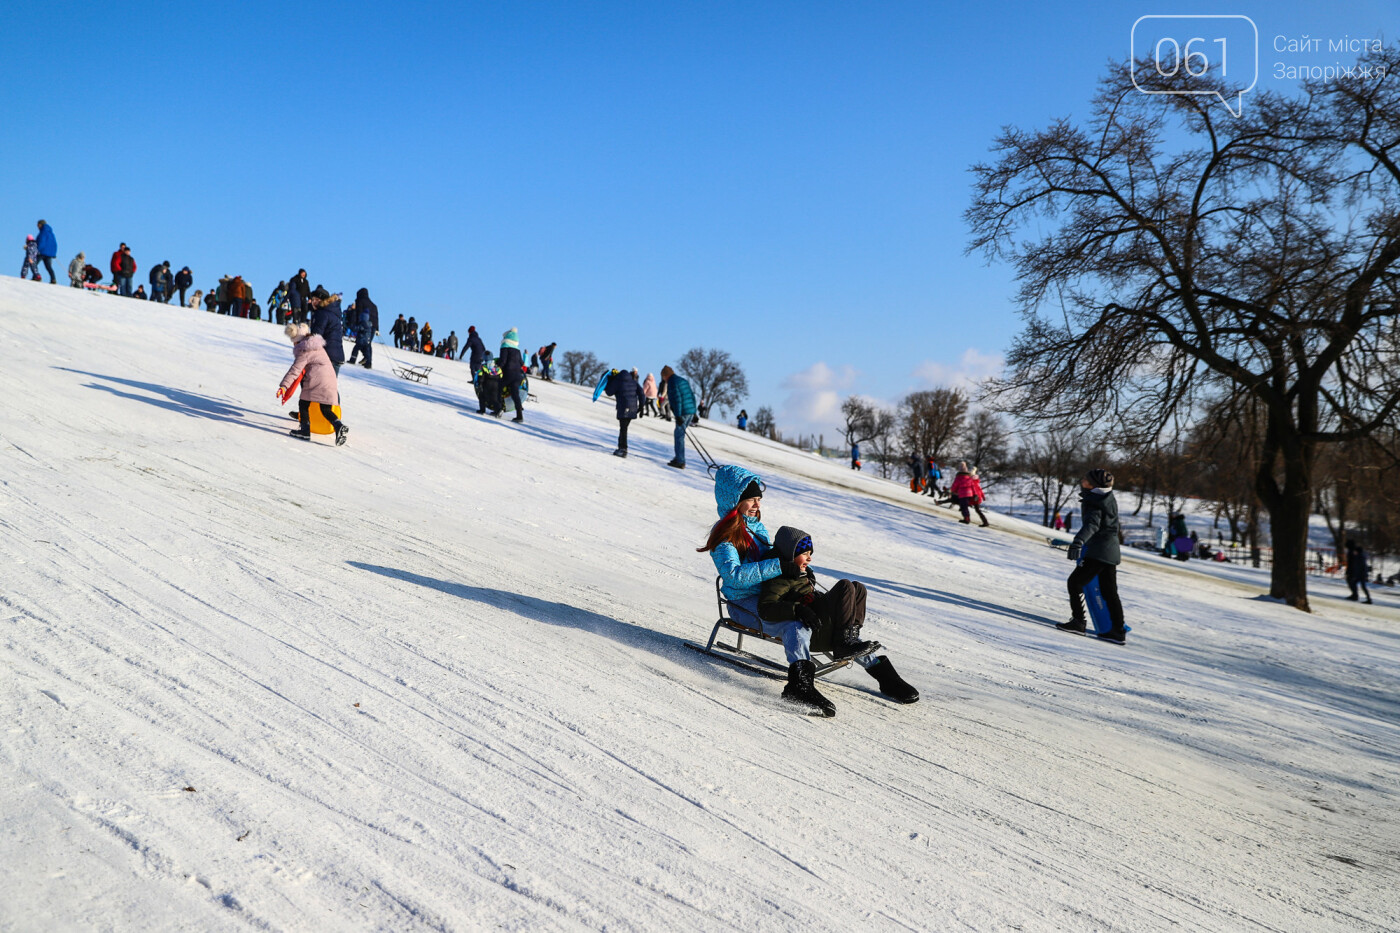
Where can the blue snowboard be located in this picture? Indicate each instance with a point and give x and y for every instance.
(1098, 609)
(602, 383)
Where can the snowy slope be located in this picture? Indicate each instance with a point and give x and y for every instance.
(435, 679)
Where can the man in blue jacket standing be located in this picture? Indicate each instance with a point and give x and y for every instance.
(48, 248)
(682, 402)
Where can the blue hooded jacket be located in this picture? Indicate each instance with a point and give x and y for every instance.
(48, 243)
(743, 575)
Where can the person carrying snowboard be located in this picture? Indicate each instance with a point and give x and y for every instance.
(1097, 545)
(622, 385)
(318, 383)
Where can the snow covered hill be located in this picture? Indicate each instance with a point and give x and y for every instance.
(435, 679)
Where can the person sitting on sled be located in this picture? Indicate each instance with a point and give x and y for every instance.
(739, 545)
(318, 382)
(833, 618)
(488, 387)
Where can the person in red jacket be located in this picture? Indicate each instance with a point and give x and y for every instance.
(123, 268)
(967, 490)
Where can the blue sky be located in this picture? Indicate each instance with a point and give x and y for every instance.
(783, 180)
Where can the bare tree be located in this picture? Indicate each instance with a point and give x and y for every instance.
(715, 377)
(929, 420)
(1049, 462)
(884, 439)
(1258, 257)
(986, 441)
(581, 367)
(860, 420)
(762, 423)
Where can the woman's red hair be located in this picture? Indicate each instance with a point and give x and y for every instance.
(732, 529)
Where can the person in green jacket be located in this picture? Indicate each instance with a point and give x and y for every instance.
(834, 618)
(1097, 544)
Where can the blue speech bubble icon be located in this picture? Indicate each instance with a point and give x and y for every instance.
(1212, 50)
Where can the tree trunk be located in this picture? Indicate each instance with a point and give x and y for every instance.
(1289, 507)
(1289, 525)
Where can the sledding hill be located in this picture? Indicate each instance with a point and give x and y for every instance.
(435, 679)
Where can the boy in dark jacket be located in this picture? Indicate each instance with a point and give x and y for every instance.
(834, 618)
(1097, 544)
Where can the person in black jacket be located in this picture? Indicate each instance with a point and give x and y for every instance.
(183, 280)
(326, 321)
(476, 349)
(398, 329)
(1358, 568)
(366, 326)
(1097, 543)
(622, 385)
(512, 370)
(299, 295)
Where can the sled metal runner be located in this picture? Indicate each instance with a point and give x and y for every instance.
(412, 373)
(735, 653)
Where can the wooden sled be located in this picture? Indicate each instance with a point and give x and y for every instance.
(736, 655)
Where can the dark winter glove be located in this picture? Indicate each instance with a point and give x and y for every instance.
(806, 615)
(1074, 552)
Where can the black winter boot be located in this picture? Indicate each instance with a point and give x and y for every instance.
(891, 684)
(1073, 625)
(801, 689)
(851, 645)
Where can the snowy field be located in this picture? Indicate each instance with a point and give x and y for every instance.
(435, 679)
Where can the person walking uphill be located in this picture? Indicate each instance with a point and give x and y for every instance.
(326, 321)
(366, 326)
(682, 402)
(512, 370)
(1095, 547)
(48, 249)
(476, 349)
(622, 385)
(967, 491)
(318, 382)
(1358, 567)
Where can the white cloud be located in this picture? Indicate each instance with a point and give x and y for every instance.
(971, 368)
(813, 401)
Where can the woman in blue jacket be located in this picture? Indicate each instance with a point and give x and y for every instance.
(742, 551)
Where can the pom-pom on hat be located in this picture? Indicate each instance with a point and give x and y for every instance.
(1100, 478)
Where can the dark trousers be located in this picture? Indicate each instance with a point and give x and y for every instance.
(362, 347)
(304, 410)
(841, 610)
(1108, 586)
(514, 389)
(182, 298)
(1353, 584)
(48, 264)
(969, 502)
(622, 424)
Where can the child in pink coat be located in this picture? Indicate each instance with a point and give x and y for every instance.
(318, 383)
